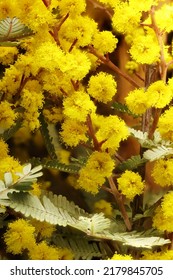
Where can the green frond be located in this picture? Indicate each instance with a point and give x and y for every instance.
(135, 239)
(157, 153)
(48, 140)
(82, 248)
(58, 210)
(132, 163)
(93, 224)
(11, 29)
(55, 164)
(146, 142)
(69, 168)
(53, 209)
(122, 108)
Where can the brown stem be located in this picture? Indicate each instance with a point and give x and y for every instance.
(112, 66)
(92, 133)
(151, 75)
(47, 3)
(119, 200)
(139, 77)
(22, 84)
(100, 6)
(159, 34)
(75, 84)
(155, 122)
(73, 44)
(106, 189)
(56, 29)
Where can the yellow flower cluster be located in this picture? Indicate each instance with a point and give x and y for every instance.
(111, 131)
(131, 66)
(20, 237)
(162, 219)
(141, 50)
(78, 105)
(9, 164)
(160, 94)
(102, 87)
(165, 124)
(44, 229)
(128, 17)
(43, 251)
(163, 255)
(53, 115)
(99, 166)
(7, 115)
(73, 132)
(8, 55)
(73, 7)
(117, 257)
(157, 95)
(3, 149)
(32, 13)
(81, 28)
(10, 82)
(164, 17)
(105, 42)
(32, 101)
(130, 184)
(138, 101)
(103, 206)
(162, 172)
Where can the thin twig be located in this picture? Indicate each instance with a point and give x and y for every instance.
(73, 45)
(47, 3)
(139, 77)
(112, 66)
(92, 133)
(100, 6)
(56, 29)
(159, 35)
(157, 114)
(119, 200)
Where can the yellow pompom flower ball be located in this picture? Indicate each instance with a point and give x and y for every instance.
(102, 87)
(130, 184)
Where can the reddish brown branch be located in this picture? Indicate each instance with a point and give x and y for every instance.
(112, 66)
(92, 133)
(47, 3)
(72, 45)
(54, 32)
(159, 34)
(119, 199)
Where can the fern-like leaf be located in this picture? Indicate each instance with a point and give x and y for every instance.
(123, 109)
(132, 163)
(157, 153)
(146, 142)
(55, 164)
(94, 224)
(53, 209)
(69, 168)
(59, 211)
(82, 248)
(11, 29)
(47, 138)
(135, 239)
